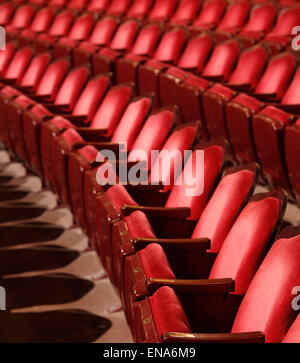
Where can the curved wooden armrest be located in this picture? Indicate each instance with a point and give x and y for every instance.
(91, 134)
(147, 188)
(10, 81)
(251, 337)
(55, 108)
(218, 78)
(265, 96)
(206, 286)
(24, 89)
(41, 98)
(295, 109)
(191, 244)
(77, 120)
(157, 212)
(239, 87)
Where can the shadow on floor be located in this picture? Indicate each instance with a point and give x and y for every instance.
(62, 326)
(39, 258)
(48, 289)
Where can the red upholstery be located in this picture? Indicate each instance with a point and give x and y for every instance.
(291, 96)
(187, 195)
(162, 10)
(138, 225)
(172, 308)
(139, 9)
(132, 121)
(158, 124)
(177, 144)
(6, 11)
(118, 7)
(186, 12)
(112, 108)
(222, 60)
(267, 306)
(6, 56)
(293, 334)
(244, 247)
(277, 75)
(223, 208)
(18, 64)
(210, 14)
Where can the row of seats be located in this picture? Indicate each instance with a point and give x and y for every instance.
(205, 251)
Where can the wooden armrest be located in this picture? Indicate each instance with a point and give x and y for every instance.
(147, 188)
(41, 98)
(91, 134)
(295, 109)
(77, 120)
(191, 244)
(238, 87)
(214, 78)
(251, 337)
(10, 81)
(265, 96)
(24, 89)
(114, 146)
(55, 108)
(205, 286)
(158, 212)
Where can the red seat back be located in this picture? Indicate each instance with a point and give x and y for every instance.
(267, 306)
(103, 31)
(132, 121)
(261, 18)
(244, 248)
(139, 9)
(277, 75)
(42, 20)
(22, 17)
(162, 9)
(211, 13)
(91, 96)
(198, 180)
(146, 40)
(235, 16)
(61, 24)
(82, 27)
(186, 11)
(112, 108)
(222, 60)
(18, 64)
(170, 46)
(231, 194)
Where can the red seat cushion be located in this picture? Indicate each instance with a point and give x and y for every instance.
(246, 243)
(267, 306)
(155, 262)
(139, 226)
(223, 208)
(119, 196)
(167, 312)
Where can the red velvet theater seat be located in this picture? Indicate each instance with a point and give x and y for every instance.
(167, 53)
(293, 334)
(162, 10)
(80, 31)
(98, 6)
(193, 59)
(40, 24)
(175, 219)
(210, 15)
(21, 20)
(259, 318)
(79, 161)
(59, 28)
(118, 7)
(240, 110)
(280, 36)
(236, 259)
(6, 12)
(139, 9)
(103, 123)
(260, 22)
(186, 12)
(101, 36)
(233, 20)
(142, 49)
(104, 60)
(214, 100)
(151, 137)
(64, 101)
